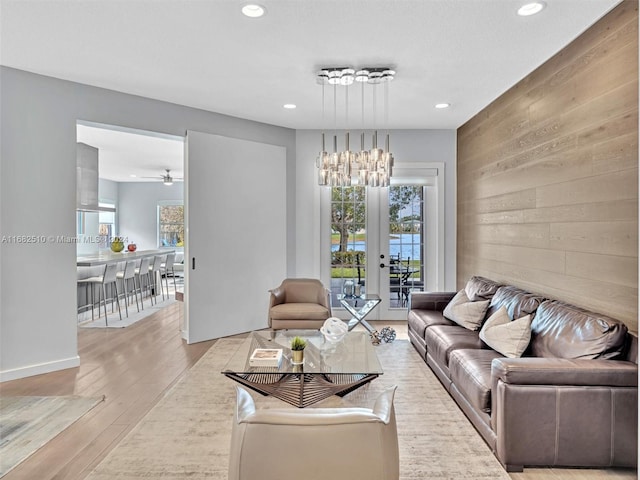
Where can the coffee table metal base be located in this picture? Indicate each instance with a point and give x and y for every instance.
(300, 389)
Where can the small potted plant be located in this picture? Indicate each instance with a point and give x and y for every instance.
(297, 350)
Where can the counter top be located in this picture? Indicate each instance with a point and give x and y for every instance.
(105, 257)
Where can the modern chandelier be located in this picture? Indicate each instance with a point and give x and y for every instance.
(372, 167)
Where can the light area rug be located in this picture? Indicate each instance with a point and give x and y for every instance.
(27, 423)
(134, 315)
(187, 434)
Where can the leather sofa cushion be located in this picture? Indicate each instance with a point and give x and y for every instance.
(561, 330)
(443, 339)
(480, 288)
(296, 311)
(420, 320)
(470, 371)
(517, 302)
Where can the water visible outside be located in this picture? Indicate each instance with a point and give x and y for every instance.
(405, 244)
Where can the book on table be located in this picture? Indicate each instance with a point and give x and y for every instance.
(266, 357)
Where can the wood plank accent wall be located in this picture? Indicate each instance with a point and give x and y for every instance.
(548, 176)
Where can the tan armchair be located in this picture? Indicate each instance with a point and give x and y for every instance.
(299, 303)
(314, 443)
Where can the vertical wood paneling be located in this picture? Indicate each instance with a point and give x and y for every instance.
(548, 176)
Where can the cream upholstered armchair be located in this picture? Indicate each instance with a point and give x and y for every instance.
(299, 303)
(314, 443)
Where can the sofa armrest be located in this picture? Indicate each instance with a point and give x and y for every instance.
(430, 300)
(277, 296)
(562, 371)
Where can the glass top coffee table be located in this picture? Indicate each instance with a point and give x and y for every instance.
(328, 368)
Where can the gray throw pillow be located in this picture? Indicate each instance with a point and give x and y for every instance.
(465, 313)
(510, 338)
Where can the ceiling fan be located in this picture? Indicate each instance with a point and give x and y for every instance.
(167, 179)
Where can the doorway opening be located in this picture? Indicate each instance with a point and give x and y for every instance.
(124, 196)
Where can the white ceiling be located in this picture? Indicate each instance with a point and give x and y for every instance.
(207, 55)
(124, 152)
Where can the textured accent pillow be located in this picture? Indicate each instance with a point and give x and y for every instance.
(510, 338)
(465, 313)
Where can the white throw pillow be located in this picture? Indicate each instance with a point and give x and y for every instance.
(465, 313)
(510, 338)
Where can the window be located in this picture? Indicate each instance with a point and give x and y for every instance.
(348, 240)
(106, 226)
(170, 225)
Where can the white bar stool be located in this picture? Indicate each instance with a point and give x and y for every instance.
(167, 267)
(108, 277)
(127, 276)
(154, 271)
(142, 272)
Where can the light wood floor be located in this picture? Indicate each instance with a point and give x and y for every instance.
(132, 368)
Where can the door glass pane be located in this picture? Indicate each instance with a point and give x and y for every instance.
(348, 241)
(406, 243)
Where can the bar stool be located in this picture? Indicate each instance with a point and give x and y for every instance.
(127, 276)
(108, 277)
(142, 272)
(154, 271)
(167, 267)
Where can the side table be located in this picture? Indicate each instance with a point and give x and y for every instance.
(367, 304)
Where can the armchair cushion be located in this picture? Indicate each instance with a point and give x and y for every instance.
(295, 311)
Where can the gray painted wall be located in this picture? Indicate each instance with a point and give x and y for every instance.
(37, 197)
(138, 210)
(408, 146)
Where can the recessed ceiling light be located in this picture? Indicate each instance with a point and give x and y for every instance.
(254, 10)
(289, 106)
(531, 8)
(442, 105)
(133, 175)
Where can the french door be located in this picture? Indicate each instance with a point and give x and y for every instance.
(385, 241)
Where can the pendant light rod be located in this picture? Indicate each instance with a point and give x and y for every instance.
(373, 167)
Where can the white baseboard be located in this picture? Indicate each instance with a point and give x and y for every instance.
(39, 369)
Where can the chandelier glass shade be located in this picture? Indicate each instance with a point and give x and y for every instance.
(368, 167)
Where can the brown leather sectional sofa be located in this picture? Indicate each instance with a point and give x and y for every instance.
(570, 400)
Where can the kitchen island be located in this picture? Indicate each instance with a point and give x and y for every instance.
(105, 257)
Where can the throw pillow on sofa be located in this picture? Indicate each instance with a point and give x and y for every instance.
(465, 313)
(510, 338)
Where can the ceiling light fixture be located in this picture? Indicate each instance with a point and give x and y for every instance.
(289, 106)
(531, 8)
(373, 167)
(253, 10)
(442, 105)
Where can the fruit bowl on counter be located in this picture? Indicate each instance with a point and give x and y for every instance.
(117, 245)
